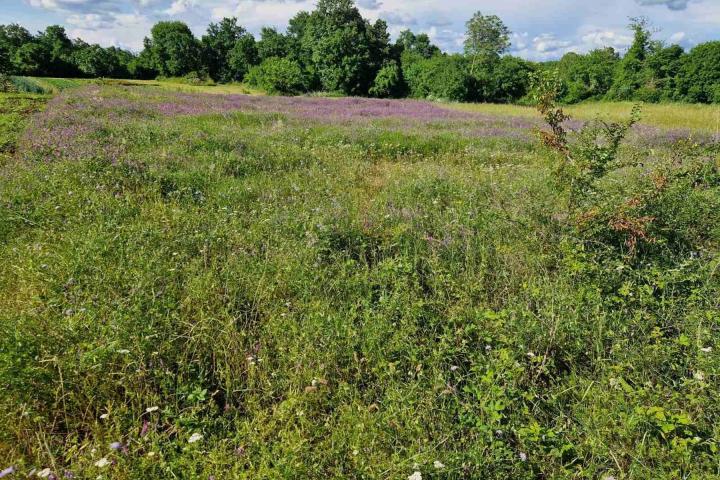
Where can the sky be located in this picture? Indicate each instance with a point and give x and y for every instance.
(542, 29)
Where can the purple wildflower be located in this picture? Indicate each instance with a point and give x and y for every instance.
(8, 471)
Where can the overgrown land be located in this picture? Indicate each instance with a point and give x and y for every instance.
(222, 286)
(231, 286)
(333, 49)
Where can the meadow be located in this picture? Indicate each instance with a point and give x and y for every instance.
(226, 286)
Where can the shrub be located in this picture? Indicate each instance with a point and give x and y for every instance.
(503, 80)
(440, 77)
(6, 84)
(389, 82)
(278, 76)
(27, 85)
(587, 76)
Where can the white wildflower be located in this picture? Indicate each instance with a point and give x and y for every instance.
(44, 473)
(415, 476)
(706, 349)
(438, 465)
(699, 375)
(152, 409)
(102, 463)
(523, 457)
(195, 437)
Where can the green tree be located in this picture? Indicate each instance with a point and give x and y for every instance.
(12, 37)
(272, 44)
(95, 61)
(699, 75)
(278, 75)
(439, 77)
(242, 57)
(630, 74)
(587, 76)
(30, 59)
(409, 42)
(505, 80)
(487, 38)
(5, 64)
(217, 45)
(389, 82)
(58, 51)
(340, 44)
(662, 66)
(173, 49)
(143, 65)
(301, 51)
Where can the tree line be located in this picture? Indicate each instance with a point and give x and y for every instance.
(334, 49)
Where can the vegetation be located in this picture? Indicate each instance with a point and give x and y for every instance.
(338, 51)
(14, 110)
(224, 286)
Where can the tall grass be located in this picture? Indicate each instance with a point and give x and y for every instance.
(297, 290)
(705, 118)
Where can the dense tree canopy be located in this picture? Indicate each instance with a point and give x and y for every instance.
(218, 45)
(174, 50)
(334, 49)
(699, 79)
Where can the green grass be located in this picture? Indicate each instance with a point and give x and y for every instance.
(352, 301)
(38, 85)
(705, 118)
(178, 85)
(14, 112)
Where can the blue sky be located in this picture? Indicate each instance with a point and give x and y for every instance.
(543, 29)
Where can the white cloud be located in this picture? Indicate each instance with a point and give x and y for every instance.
(677, 37)
(179, 6)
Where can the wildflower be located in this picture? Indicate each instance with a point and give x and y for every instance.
(438, 465)
(116, 446)
(104, 416)
(68, 474)
(8, 471)
(195, 437)
(454, 368)
(152, 409)
(699, 375)
(44, 473)
(706, 349)
(415, 476)
(523, 457)
(102, 463)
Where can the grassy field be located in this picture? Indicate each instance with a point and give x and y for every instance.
(705, 118)
(14, 112)
(204, 286)
(179, 86)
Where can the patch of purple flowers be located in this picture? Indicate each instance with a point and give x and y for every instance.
(83, 123)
